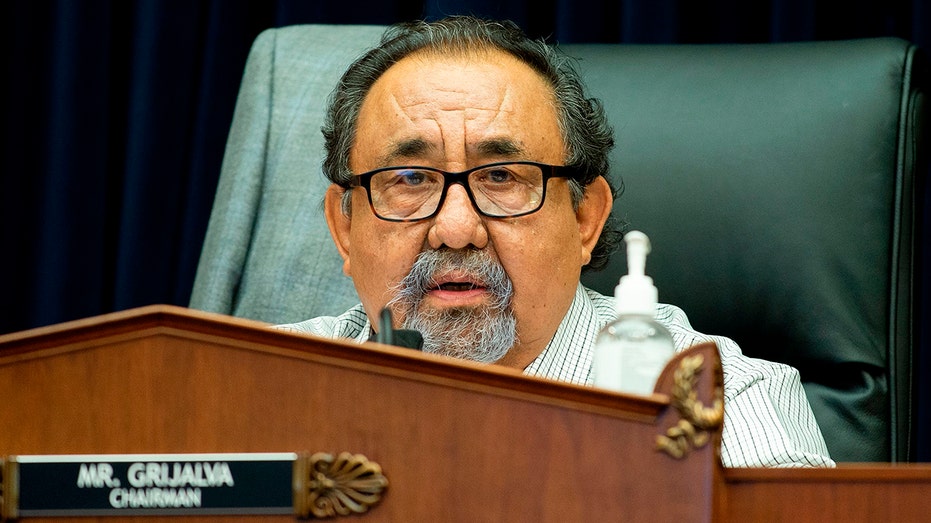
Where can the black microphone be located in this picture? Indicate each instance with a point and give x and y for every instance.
(388, 335)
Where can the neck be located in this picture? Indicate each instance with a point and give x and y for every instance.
(519, 357)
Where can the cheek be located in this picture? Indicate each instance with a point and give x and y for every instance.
(381, 255)
(542, 261)
(545, 276)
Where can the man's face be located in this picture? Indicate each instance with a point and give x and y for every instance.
(454, 112)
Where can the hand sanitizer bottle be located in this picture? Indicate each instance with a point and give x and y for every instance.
(631, 352)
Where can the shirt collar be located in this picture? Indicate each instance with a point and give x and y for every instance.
(568, 356)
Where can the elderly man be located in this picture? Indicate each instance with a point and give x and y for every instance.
(469, 192)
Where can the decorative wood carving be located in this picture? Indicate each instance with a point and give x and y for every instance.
(694, 429)
(327, 487)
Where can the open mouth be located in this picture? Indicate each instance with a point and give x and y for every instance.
(456, 282)
(457, 286)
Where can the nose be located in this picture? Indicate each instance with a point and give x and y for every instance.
(457, 225)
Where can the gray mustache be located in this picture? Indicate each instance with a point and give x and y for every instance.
(477, 264)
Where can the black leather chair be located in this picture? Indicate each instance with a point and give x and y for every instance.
(777, 182)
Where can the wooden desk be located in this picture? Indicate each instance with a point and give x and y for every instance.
(850, 492)
(456, 441)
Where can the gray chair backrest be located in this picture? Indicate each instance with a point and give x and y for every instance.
(776, 182)
(268, 254)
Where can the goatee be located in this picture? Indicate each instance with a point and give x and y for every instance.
(483, 333)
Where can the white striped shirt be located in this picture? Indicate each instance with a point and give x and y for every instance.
(767, 419)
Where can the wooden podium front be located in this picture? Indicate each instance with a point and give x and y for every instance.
(451, 440)
(441, 439)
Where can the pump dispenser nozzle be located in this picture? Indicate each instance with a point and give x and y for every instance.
(638, 246)
(635, 293)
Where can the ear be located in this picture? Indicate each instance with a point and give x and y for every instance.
(338, 222)
(592, 215)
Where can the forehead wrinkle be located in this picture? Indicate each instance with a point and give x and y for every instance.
(504, 145)
(407, 148)
(463, 124)
(400, 108)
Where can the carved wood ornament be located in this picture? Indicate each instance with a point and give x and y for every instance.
(694, 429)
(327, 486)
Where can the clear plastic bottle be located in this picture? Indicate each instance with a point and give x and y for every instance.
(631, 352)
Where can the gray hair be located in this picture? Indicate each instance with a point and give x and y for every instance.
(582, 121)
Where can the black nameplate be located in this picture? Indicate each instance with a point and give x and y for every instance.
(155, 484)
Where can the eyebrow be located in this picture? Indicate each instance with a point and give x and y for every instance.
(410, 148)
(418, 147)
(500, 147)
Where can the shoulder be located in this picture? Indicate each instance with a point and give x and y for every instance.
(602, 305)
(352, 324)
(768, 421)
(740, 371)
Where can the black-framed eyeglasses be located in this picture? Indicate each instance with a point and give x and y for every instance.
(497, 190)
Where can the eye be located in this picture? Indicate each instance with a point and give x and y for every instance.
(497, 175)
(411, 178)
